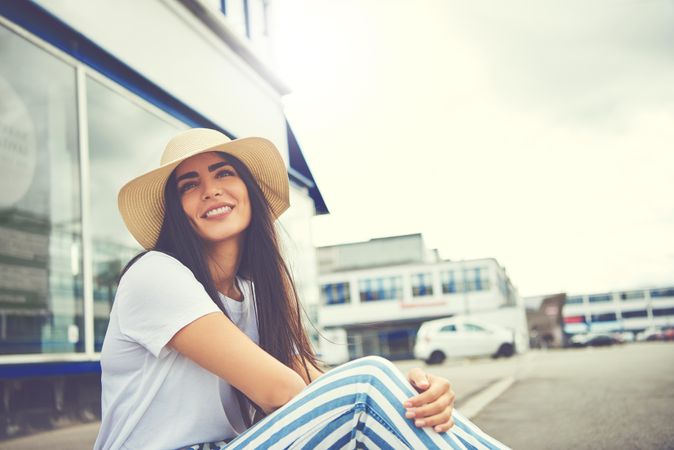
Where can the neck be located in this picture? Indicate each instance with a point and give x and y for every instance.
(223, 264)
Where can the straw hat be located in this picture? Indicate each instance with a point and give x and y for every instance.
(141, 200)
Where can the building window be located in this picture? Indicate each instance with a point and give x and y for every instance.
(659, 293)
(477, 279)
(41, 283)
(383, 288)
(114, 159)
(422, 284)
(336, 293)
(576, 300)
(606, 317)
(599, 298)
(658, 312)
(634, 295)
(634, 314)
(450, 285)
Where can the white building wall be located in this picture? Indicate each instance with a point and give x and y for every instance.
(410, 307)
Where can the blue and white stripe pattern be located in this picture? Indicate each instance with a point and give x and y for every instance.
(356, 405)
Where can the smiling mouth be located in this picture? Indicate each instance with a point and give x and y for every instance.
(217, 211)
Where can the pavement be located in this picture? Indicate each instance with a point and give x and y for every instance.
(476, 382)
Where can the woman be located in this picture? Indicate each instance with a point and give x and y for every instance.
(205, 347)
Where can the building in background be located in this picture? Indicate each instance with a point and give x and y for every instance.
(90, 92)
(545, 321)
(376, 294)
(631, 311)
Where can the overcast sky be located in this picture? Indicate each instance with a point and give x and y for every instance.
(539, 133)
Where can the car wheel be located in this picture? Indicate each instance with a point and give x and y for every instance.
(436, 357)
(506, 350)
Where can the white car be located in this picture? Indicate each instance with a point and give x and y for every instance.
(461, 337)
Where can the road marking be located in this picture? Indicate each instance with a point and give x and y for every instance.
(479, 401)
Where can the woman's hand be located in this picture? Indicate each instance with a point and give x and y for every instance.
(433, 406)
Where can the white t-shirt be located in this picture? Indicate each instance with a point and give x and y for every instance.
(152, 396)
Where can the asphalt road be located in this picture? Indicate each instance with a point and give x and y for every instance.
(619, 397)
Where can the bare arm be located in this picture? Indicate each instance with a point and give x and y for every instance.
(313, 372)
(217, 345)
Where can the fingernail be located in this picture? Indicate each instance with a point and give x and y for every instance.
(410, 413)
(438, 428)
(407, 404)
(420, 423)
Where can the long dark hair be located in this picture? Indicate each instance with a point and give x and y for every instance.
(279, 318)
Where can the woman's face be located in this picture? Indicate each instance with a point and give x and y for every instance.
(213, 196)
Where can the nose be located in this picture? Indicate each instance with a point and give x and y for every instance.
(211, 190)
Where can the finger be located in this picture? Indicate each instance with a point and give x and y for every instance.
(444, 427)
(435, 407)
(438, 386)
(418, 379)
(437, 419)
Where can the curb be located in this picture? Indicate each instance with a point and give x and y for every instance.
(479, 401)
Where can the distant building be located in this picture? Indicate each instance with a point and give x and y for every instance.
(545, 320)
(619, 311)
(376, 294)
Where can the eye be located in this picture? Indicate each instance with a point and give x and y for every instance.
(225, 173)
(186, 187)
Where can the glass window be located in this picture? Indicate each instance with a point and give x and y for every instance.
(450, 283)
(633, 314)
(41, 299)
(574, 300)
(606, 317)
(476, 279)
(634, 295)
(383, 288)
(659, 293)
(336, 293)
(422, 284)
(236, 11)
(473, 327)
(663, 312)
(448, 329)
(598, 298)
(116, 157)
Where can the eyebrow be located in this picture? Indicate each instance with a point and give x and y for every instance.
(211, 168)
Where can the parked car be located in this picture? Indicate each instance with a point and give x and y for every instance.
(600, 340)
(461, 337)
(650, 334)
(668, 334)
(594, 339)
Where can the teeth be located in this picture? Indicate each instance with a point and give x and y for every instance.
(221, 210)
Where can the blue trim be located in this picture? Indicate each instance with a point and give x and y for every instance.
(299, 165)
(223, 6)
(47, 369)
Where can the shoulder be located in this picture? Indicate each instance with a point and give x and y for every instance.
(154, 259)
(156, 266)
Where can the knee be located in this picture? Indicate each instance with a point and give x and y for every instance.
(377, 367)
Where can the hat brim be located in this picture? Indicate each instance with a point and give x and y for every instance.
(141, 200)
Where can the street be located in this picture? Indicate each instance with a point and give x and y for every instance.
(620, 397)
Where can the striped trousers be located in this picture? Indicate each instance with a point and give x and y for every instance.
(354, 406)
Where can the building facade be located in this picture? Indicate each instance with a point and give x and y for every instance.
(631, 311)
(376, 294)
(90, 92)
